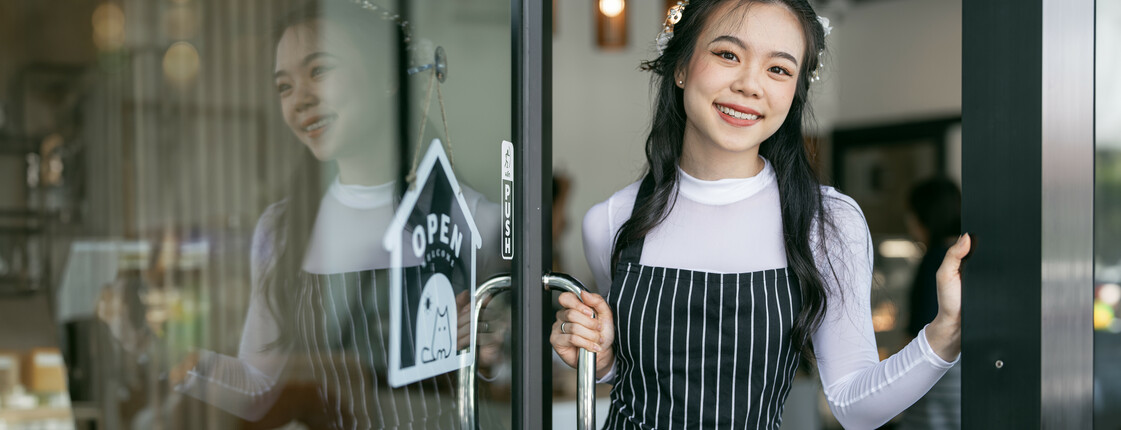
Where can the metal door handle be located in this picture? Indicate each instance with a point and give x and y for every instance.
(493, 286)
(586, 362)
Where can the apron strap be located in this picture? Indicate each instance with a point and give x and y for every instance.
(633, 252)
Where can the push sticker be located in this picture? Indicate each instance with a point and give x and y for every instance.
(507, 193)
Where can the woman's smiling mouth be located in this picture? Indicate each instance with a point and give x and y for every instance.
(318, 125)
(737, 116)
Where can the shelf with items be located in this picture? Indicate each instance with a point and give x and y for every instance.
(24, 238)
(11, 416)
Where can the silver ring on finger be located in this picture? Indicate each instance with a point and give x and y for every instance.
(562, 328)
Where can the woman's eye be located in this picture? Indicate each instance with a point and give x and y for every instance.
(780, 70)
(726, 55)
(282, 88)
(320, 70)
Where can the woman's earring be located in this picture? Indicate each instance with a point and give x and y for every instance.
(681, 83)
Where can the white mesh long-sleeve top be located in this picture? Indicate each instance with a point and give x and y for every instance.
(735, 226)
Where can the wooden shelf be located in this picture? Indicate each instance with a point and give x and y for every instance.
(10, 415)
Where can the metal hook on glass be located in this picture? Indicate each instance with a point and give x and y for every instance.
(440, 64)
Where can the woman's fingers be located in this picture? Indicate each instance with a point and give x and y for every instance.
(576, 335)
(951, 265)
(577, 317)
(949, 282)
(597, 303)
(586, 324)
(570, 301)
(570, 321)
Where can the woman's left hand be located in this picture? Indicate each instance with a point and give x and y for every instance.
(490, 334)
(944, 333)
(463, 332)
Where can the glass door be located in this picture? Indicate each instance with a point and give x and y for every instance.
(1107, 217)
(464, 101)
(275, 214)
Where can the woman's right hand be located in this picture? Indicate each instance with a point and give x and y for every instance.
(589, 325)
(179, 372)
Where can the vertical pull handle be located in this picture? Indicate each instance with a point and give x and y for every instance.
(586, 362)
(493, 286)
(585, 368)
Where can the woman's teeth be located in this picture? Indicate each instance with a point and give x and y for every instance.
(320, 124)
(735, 113)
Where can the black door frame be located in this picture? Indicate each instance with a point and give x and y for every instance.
(531, 34)
(1027, 197)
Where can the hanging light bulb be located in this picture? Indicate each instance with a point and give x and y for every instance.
(611, 8)
(611, 24)
(108, 27)
(181, 63)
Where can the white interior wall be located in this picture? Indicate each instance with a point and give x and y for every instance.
(900, 60)
(1108, 97)
(601, 111)
(887, 61)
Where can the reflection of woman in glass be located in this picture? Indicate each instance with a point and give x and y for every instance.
(318, 308)
(729, 259)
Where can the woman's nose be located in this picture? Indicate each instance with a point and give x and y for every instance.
(747, 83)
(306, 96)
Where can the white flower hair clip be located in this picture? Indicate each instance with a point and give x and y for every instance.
(673, 16)
(826, 29)
(387, 15)
(825, 25)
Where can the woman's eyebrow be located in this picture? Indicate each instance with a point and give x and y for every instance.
(781, 54)
(731, 39)
(314, 56)
(308, 59)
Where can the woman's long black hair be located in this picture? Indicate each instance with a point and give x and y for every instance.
(798, 183)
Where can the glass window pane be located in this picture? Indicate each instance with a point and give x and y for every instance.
(195, 202)
(1107, 218)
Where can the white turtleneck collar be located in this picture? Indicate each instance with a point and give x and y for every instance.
(724, 191)
(362, 196)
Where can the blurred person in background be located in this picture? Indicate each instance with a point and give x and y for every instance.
(933, 219)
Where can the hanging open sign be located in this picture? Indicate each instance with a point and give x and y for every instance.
(432, 242)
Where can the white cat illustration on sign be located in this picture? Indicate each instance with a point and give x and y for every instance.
(435, 320)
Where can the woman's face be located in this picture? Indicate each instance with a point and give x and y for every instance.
(327, 93)
(740, 82)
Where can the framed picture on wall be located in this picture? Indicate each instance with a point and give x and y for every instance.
(877, 166)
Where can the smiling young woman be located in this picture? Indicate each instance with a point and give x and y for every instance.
(738, 90)
(729, 260)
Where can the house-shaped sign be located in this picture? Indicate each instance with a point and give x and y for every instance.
(432, 242)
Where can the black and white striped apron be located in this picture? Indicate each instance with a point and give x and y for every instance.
(344, 330)
(700, 350)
